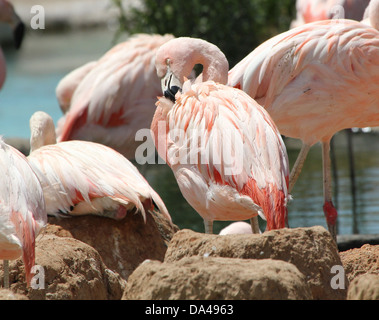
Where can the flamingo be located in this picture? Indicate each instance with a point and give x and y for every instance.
(314, 81)
(9, 17)
(83, 177)
(225, 151)
(315, 10)
(22, 210)
(109, 100)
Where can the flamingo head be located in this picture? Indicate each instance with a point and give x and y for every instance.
(176, 59)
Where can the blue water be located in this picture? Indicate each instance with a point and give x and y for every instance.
(44, 59)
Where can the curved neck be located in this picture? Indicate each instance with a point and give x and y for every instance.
(197, 51)
(374, 13)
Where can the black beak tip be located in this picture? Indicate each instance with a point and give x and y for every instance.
(171, 92)
(18, 34)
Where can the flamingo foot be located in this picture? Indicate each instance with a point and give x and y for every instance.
(330, 213)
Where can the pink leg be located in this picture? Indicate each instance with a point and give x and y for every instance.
(329, 209)
(296, 169)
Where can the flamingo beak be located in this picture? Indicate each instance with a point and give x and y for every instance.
(170, 86)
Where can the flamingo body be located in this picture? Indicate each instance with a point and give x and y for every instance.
(115, 99)
(308, 11)
(22, 208)
(226, 153)
(239, 227)
(314, 81)
(83, 177)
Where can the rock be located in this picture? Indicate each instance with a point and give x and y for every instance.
(213, 278)
(90, 257)
(6, 294)
(360, 261)
(351, 241)
(69, 270)
(122, 244)
(364, 287)
(311, 250)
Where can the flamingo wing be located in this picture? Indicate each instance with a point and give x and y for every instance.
(68, 84)
(22, 207)
(81, 177)
(122, 85)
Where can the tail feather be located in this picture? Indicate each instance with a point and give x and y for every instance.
(273, 202)
(26, 233)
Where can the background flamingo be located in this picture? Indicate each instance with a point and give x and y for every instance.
(239, 227)
(9, 17)
(225, 152)
(112, 99)
(316, 80)
(82, 177)
(22, 210)
(315, 10)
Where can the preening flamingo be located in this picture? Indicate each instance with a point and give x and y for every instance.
(314, 81)
(9, 17)
(82, 177)
(315, 10)
(225, 151)
(111, 99)
(22, 210)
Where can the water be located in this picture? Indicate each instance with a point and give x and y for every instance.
(34, 72)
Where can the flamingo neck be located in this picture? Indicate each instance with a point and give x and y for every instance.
(374, 13)
(42, 131)
(215, 65)
(181, 55)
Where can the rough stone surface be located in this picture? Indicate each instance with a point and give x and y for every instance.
(123, 244)
(72, 271)
(311, 250)
(360, 261)
(364, 287)
(90, 257)
(217, 278)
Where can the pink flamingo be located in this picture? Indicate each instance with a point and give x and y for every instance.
(111, 99)
(9, 17)
(22, 210)
(226, 153)
(314, 81)
(82, 177)
(315, 10)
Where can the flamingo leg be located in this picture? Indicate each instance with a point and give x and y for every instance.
(6, 274)
(329, 209)
(208, 226)
(255, 224)
(296, 169)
